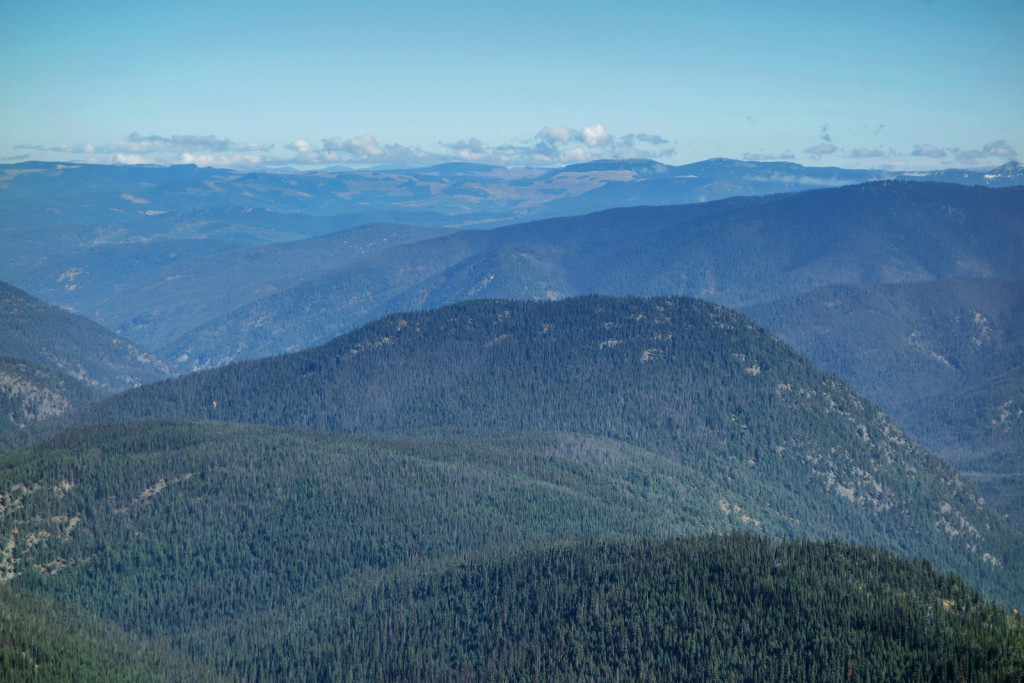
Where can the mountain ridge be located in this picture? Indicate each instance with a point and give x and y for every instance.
(684, 381)
(735, 252)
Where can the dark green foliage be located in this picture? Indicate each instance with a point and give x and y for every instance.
(287, 553)
(169, 528)
(282, 555)
(68, 343)
(735, 608)
(41, 641)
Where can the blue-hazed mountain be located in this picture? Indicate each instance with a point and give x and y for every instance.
(89, 238)
(945, 359)
(149, 293)
(134, 197)
(710, 422)
(47, 336)
(736, 252)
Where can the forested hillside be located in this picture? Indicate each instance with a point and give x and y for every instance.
(752, 433)
(71, 344)
(43, 640)
(945, 359)
(30, 392)
(537, 486)
(283, 554)
(732, 608)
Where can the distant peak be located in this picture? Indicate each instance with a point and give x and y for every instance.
(1010, 168)
(639, 166)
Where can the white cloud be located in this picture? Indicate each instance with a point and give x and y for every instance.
(226, 160)
(302, 146)
(124, 159)
(203, 150)
(364, 146)
(993, 151)
(180, 143)
(631, 138)
(595, 135)
(560, 145)
(552, 146)
(557, 134)
(999, 149)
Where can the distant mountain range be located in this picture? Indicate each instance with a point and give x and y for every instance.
(735, 252)
(162, 255)
(114, 203)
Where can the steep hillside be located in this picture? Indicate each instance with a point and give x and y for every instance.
(31, 392)
(756, 435)
(735, 252)
(945, 359)
(38, 332)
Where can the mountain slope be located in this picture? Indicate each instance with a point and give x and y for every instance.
(38, 332)
(763, 439)
(735, 252)
(31, 392)
(945, 359)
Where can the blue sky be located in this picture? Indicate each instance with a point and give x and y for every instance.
(900, 84)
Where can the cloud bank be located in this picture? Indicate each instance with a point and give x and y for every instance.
(202, 150)
(557, 145)
(551, 146)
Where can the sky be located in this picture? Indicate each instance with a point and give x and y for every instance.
(902, 84)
